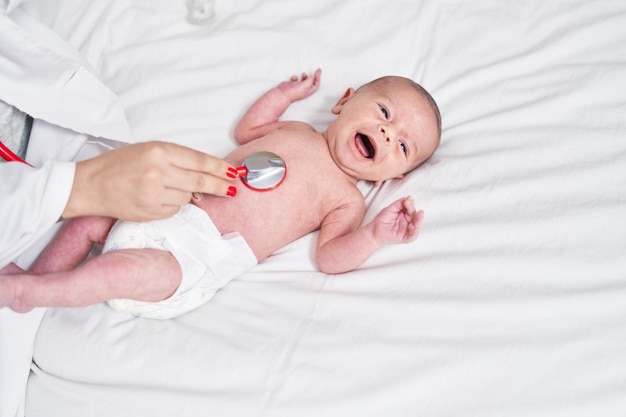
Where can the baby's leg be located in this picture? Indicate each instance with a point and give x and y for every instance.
(72, 244)
(138, 274)
(11, 269)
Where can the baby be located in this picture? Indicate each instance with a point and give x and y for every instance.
(164, 268)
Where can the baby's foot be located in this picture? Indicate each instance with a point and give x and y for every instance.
(9, 294)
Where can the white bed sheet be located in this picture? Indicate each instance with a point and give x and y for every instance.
(510, 303)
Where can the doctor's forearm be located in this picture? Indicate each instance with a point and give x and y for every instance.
(145, 181)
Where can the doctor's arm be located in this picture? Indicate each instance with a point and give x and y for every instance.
(137, 182)
(145, 181)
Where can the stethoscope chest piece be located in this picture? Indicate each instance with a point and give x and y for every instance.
(262, 171)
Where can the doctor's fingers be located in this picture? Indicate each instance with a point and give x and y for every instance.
(190, 159)
(198, 182)
(165, 204)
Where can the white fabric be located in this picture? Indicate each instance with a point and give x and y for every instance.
(17, 340)
(207, 259)
(511, 301)
(24, 187)
(45, 77)
(64, 90)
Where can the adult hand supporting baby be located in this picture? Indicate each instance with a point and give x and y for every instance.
(145, 181)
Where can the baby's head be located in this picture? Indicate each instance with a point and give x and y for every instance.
(384, 129)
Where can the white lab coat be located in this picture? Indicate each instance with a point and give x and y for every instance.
(42, 75)
(63, 90)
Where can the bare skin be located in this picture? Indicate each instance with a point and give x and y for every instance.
(153, 179)
(382, 131)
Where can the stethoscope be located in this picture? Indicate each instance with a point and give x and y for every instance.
(261, 171)
(8, 155)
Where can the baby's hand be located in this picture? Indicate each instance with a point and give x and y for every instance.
(398, 223)
(299, 89)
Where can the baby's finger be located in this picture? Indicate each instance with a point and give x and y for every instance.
(317, 75)
(414, 226)
(408, 204)
(418, 218)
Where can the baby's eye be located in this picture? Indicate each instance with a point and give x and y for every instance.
(403, 147)
(385, 112)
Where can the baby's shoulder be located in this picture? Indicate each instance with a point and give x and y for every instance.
(348, 197)
(297, 126)
(347, 208)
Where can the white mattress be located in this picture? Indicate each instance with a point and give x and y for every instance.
(512, 302)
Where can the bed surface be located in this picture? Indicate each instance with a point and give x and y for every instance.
(512, 302)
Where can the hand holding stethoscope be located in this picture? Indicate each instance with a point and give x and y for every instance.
(261, 171)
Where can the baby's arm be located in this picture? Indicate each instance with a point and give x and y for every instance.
(343, 250)
(262, 117)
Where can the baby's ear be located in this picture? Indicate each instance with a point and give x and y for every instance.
(343, 100)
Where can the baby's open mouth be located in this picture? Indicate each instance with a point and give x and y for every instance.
(364, 145)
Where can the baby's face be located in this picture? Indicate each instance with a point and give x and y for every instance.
(382, 132)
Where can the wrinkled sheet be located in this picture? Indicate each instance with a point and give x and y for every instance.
(510, 303)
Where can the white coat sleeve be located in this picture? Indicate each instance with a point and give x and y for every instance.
(42, 75)
(46, 78)
(33, 200)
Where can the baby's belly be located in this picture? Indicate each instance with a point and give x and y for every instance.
(267, 220)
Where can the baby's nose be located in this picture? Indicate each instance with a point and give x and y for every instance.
(385, 131)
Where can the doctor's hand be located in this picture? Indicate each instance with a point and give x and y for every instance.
(146, 181)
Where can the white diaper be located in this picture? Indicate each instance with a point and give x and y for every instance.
(207, 259)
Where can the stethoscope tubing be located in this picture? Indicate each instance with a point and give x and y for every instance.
(8, 155)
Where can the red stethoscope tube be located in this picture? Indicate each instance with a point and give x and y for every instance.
(8, 155)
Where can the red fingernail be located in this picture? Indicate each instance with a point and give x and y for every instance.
(232, 191)
(232, 173)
